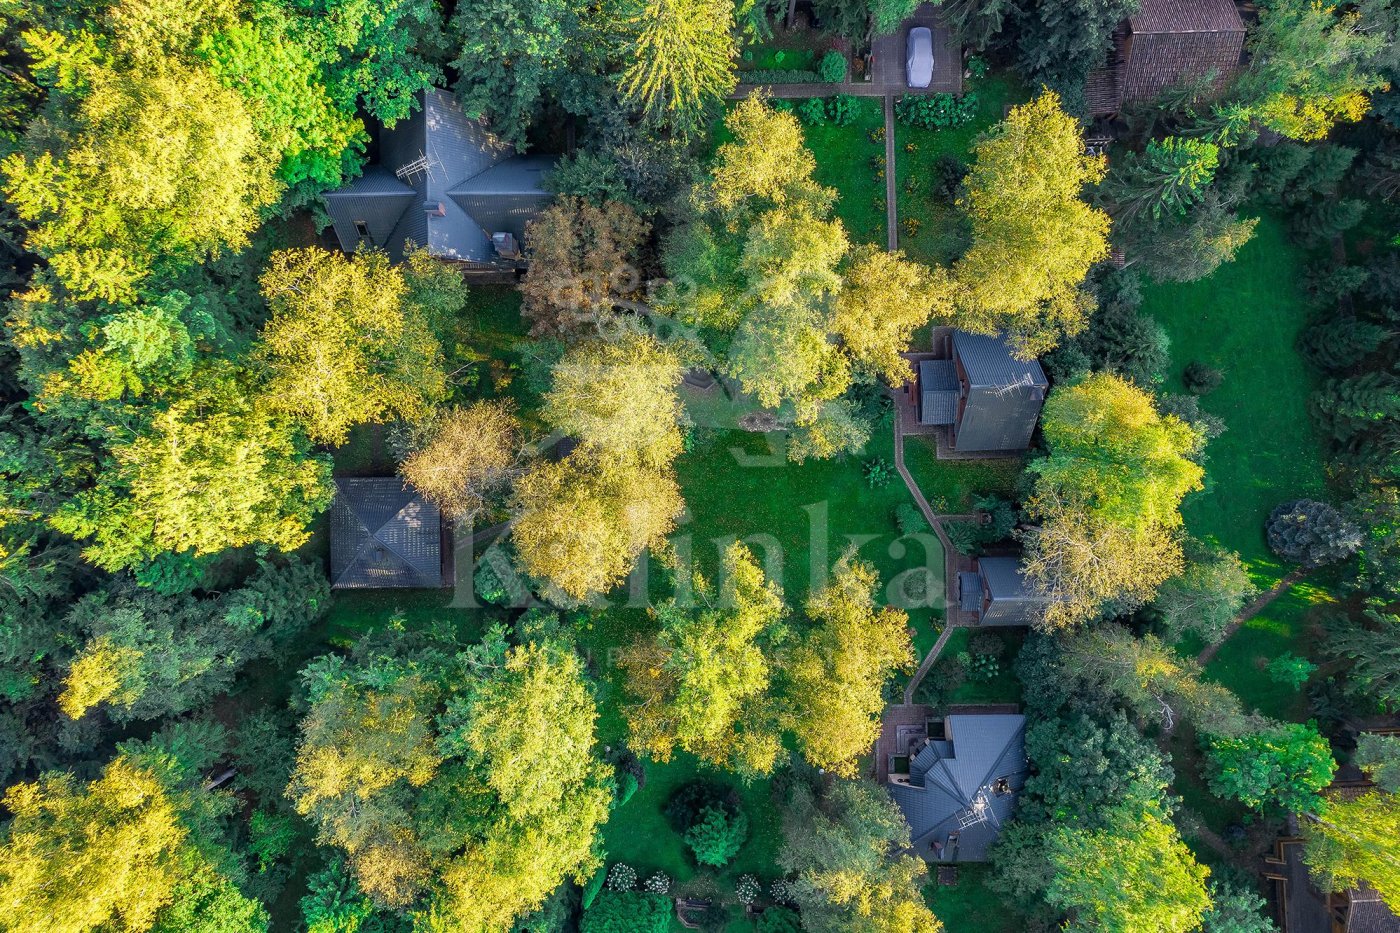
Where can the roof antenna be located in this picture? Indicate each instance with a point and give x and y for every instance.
(1023, 382)
(423, 163)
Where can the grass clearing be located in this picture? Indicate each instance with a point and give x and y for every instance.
(942, 230)
(1245, 320)
(971, 905)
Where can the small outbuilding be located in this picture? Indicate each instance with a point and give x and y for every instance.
(384, 534)
(988, 400)
(442, 181)
(1166, 44)
(997, 592)
(959, 785)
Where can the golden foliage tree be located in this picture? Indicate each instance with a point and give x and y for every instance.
(619, 399)
(1034, 237)
(108, 855)
(837, 673)
(886, 298)
(1353, 841)
(705, 682)
(581, 524)
(346, 343)
(461, 455)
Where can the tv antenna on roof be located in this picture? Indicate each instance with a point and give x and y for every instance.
(1023, 382)
(424, 163)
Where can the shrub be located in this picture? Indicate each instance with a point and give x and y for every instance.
(748, 889)
(948, 173)
(779, 920)
(911, 226)
(841, 109)
(627, 912)
(622, 877)
(1311, 533)
(489, 586)
(909, 520)
(717, 835)
(1200, 379)
(989, 644)
(936, 111)
(878, 472)
(980, 667)
(659, 883)
(626, 787)
(977, 66)
(913, 586)
(781, 891)
(780, 76)
(1290, 670)
(685, 805)
(812, 111)
(832, 67)
(591, 889)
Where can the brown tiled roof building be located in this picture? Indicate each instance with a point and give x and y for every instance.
(1168, 43)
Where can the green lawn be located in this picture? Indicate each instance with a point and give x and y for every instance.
(970, 906)
(942, 233)
(950, 486)
(1245, 320)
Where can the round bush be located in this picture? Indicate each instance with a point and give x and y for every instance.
(1312, 533)
(1198, 378)
(832, 67)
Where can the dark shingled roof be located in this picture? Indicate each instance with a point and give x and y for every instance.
(1166, 44)
(956, 802)
(443, 182)
(938, 392)
(384, 534)
(1004, 395)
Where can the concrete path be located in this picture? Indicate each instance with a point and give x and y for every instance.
(891, 189)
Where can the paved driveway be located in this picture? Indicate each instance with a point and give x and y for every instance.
(888, 53)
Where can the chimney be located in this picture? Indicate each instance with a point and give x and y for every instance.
(435, 208)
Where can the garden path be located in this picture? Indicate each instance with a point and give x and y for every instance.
(1252, 610)
(891, 193)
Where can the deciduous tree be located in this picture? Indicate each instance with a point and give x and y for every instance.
(838, 671)
(1033, 236)
(885, 299)
(460, 456)
(681, 59)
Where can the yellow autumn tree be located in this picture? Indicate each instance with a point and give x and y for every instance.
(581, 523)
(837, 673)
(459, 456)
(1034, 237)
(705, 682)
(886, 298)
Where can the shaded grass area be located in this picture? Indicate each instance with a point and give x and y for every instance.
(951, 485)
(942, 230)
(1245, 320)
(971, 906)
(1004, 687)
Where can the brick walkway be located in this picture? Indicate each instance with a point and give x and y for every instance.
(891, 190)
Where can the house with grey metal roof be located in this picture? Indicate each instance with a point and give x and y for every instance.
(443, 182)
(384, 534)
(987, 400)
(958, 789)
(997, 592)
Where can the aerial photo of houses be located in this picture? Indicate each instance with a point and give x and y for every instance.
(742, 466)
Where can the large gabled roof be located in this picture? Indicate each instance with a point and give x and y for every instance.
(988, 362)
(384, 534)
(953, 785)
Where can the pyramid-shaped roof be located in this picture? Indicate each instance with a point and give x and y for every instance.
(384, 534)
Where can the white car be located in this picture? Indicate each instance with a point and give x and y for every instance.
(920, 60)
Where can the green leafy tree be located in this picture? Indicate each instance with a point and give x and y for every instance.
(1171, 177)
(1236, 908)
(1113, 454)
(681, 59)
(717, 835)
(836, 674)
(419, 760)
(347, 342)
(846, 852)
(1189, 248)
(1283, 767)
(213, 469)
(1204, 598)
(1351, 841)
(628, 912)
(1368, 643)
(1061, 44)
(885, 299)
(706, 682)
(1311, 68)
(1168, 889)
(619, 398)
(1379, 757)
(1033, 236)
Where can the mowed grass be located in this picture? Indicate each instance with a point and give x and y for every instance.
(970, 905)
(845, 157)
(1245, 320)
(942, 233)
